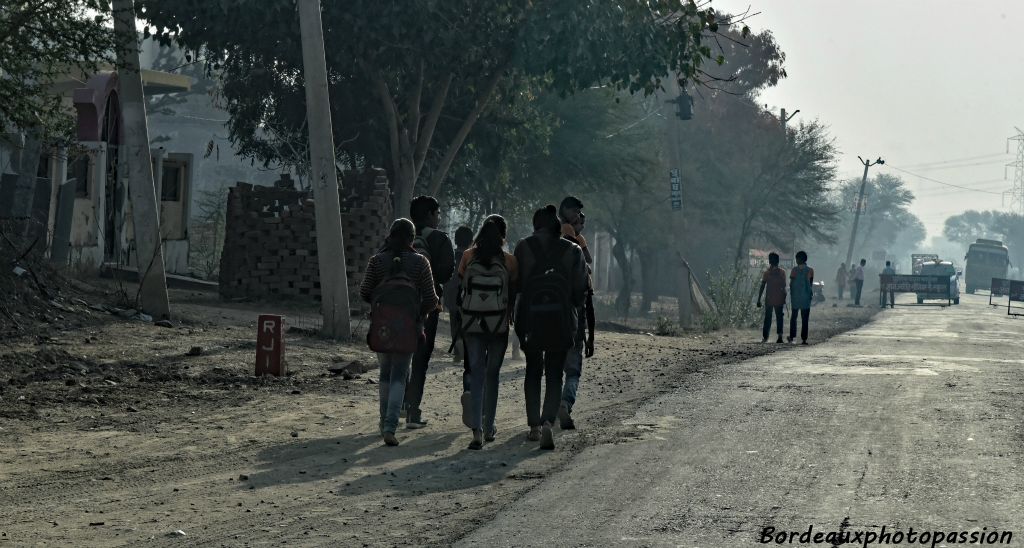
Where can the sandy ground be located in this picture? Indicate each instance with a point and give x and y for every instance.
(111, 436)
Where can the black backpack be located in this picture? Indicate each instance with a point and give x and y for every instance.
(544, 320)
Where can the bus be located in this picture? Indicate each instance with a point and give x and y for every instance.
(986, 259)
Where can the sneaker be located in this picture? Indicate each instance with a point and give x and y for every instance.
(547, 439)
(764, 340)
(390, 440)
(779, 341)
(803, 343)
(489, 436)
(478, 440)
(789, 339)
(415, 422)
(565, 421)
(467, 418)
(534, 434)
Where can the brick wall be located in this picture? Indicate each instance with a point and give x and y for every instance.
(270, 237)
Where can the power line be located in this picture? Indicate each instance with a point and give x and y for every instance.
(936, 181)
(955, 160)
(958, 166)
(988, 184)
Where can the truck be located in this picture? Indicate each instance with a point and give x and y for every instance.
(986, 259)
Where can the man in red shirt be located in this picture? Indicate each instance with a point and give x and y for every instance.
(774, 280)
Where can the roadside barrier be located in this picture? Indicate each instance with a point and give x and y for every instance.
(1016, 294)
(928, 288)
(1000, 288)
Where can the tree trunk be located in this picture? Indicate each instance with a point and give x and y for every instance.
(622, 301)
(647, 279)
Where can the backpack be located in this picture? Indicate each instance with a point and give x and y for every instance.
(395, 313)
(545, 313)
(485, 291)
(802, 283)
(420, 244)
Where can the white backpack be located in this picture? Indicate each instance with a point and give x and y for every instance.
(485, 289)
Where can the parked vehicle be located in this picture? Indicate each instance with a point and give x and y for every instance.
(947, 270)
(986, 259)
(918, 259)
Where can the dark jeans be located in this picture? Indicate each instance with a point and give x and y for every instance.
(420, 362)
(881, 298)
(859, 287)
(484, 353)
(393, 371)
(768, 311)
(547, 364)
(804, 317)
(574, 366)
(839, 290)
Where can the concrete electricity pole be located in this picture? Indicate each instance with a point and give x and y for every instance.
(674, 152)
(324, 176)
(135, 149)
(860, 204)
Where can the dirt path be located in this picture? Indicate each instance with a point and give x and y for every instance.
(110, 435)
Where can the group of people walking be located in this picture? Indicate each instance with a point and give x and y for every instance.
(542, 291)
(854, 278)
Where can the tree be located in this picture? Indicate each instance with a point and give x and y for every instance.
(41, 40)
(411, 79)
(970, 225)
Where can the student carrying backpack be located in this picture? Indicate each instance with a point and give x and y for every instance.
(489, 277)
(552, 287)
(400, 289)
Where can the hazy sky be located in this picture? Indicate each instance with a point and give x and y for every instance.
(932, 86)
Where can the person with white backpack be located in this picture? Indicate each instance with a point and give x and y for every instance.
(489, 277)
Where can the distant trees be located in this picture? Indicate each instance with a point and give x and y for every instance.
(970, 225)
(41, 40)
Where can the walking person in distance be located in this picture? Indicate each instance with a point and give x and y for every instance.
(774, 280)
(801, 289)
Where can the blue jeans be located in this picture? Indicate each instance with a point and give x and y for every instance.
(393, 371)
(574, 366)
(484, 354)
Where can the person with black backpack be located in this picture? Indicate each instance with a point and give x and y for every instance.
(553, 281)
(437, 248)
(489, 276)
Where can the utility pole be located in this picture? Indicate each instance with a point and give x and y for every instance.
(674, 151)
(330, 245)
(1017, 194)
(860, 203)
(785, 132)
(149, 255)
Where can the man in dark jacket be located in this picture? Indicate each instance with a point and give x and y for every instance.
(545, 346)
(435, 245)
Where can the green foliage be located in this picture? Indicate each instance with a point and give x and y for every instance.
(40, 41)
(734, 292)
(665, 327)
(970, 225)
(398, 68)
(206, 235)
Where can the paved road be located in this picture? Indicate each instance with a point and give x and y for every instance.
(911, 421)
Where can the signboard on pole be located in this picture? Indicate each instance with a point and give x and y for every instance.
(675, 189)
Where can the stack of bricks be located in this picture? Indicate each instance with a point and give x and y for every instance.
(270, 237)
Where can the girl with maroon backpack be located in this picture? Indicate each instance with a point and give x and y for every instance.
(400, 289)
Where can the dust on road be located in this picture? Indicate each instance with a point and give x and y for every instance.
(112, 436)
